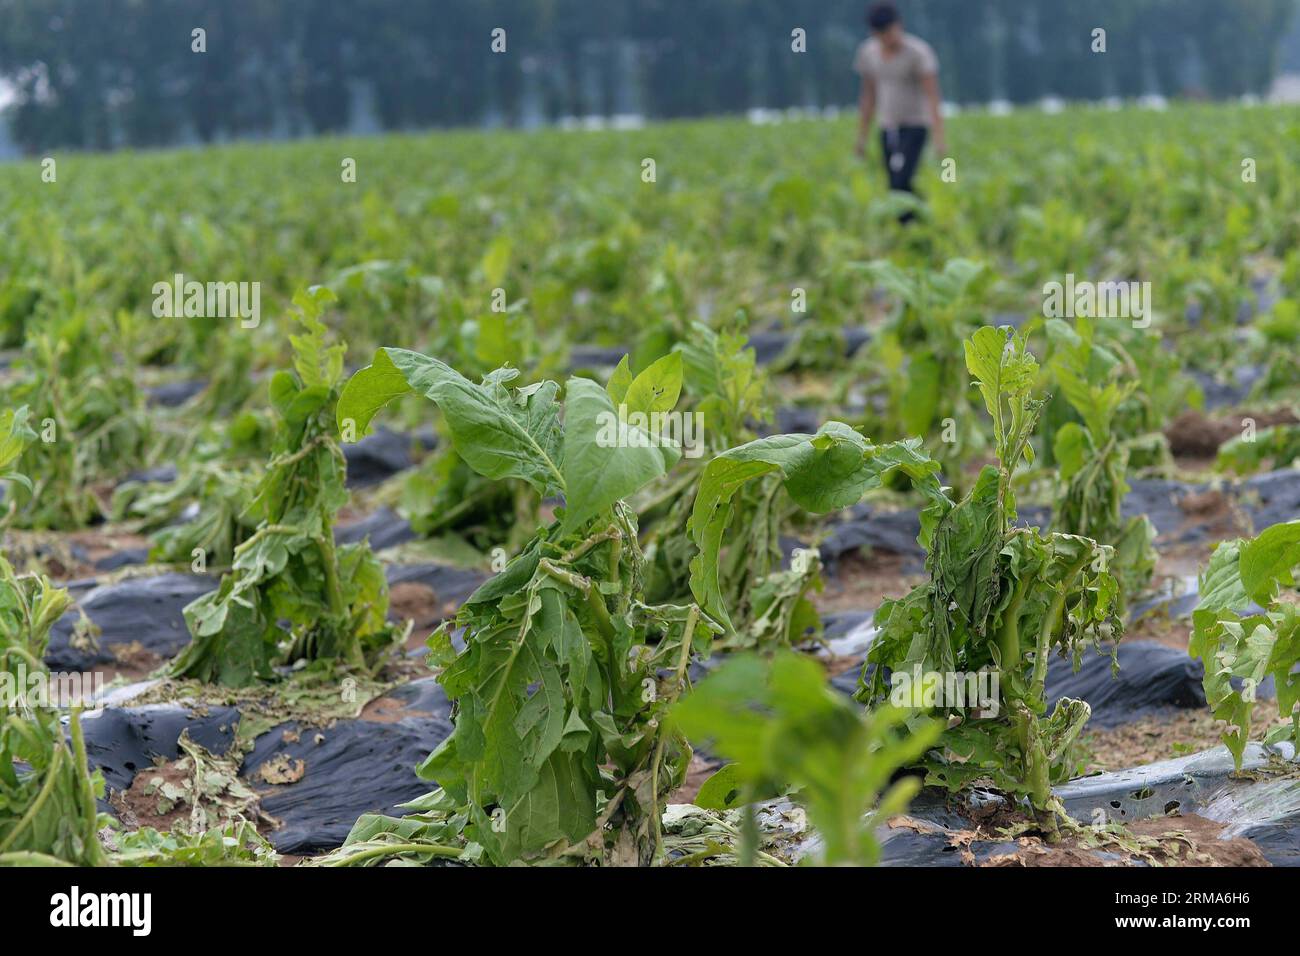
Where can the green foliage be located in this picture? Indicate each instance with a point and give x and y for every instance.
(595, 460)
(1243, 644)
(557, 748)
(292, 593)
(823, 472)
(47, 808)
(447, 501)
(219, 493)
(596, 265)
(231, 844)
(29, 604)
(729, 394)
(200, 517)
(430, 832)
(730, 391)
(15, 434)
(785, 729)
(1004, 371)
(1092, 457)
(560, 751)
(745, 214)
(90, 412)
(778, 608)
(917, 348)
(48, 814)
(999, 601)
(1278, 445)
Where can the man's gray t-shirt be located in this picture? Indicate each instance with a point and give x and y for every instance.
(900, 99)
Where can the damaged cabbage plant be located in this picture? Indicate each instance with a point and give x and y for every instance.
(786, 731)
(1244, 630)
(199, 518)
(727, 395)
(48, 814)
(972, 643)
(912, 362)
(999, 600)
(82, 385)
(560, 752)
(464, 515)
(292, 594)
(48, 810)
(1093, 457)
(821, 473)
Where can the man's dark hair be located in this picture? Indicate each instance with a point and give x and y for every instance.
(882, 15)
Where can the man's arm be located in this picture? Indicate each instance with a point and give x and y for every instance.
(866, 111)
(930, 84)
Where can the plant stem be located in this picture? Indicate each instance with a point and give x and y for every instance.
(594, 598)
(47, 788)
(89, 810)
(683, 662)
(612, 533)
(1051, 620)
(749, 831)
(30, 858)
(1009, 637)
(434, 849)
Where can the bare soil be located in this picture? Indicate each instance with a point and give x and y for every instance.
(1165, 736)
(1160, 627)
(389, 710)
(862, 583)
(699, 770)
(415, 601)
(1193, 434)
(137, 808)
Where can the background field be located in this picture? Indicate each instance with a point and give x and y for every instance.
(235, 552)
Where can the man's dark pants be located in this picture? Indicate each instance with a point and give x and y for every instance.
(902, 148)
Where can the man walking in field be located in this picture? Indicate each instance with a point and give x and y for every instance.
(900, 86)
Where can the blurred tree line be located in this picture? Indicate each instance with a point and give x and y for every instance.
(101, 73)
